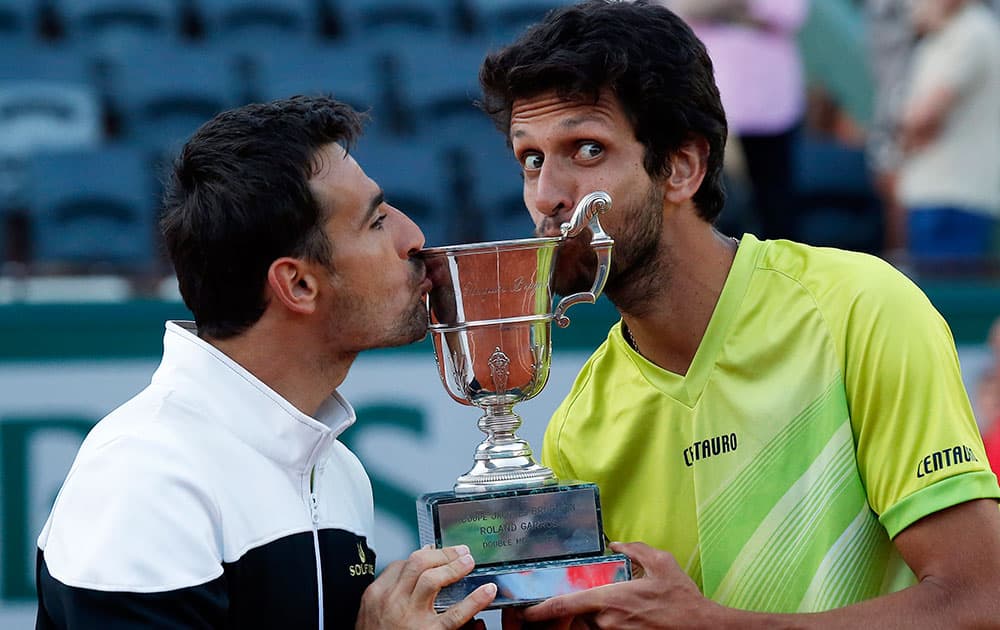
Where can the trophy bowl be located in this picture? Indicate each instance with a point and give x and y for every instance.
(491, 313)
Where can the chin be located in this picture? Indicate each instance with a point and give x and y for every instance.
(410, 328)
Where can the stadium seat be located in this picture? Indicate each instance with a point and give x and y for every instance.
(41, 115)
(247, 23)
(348, 72)
(439, 82)
(836, 203)
(365, 18)
(92, 210)
(411, 174)
(497, 187)
(162, 94)
(502, 21)
(112, 22)
(18, 20)
(48, 101)
(33, 61)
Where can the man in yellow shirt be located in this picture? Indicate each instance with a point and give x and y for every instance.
(784, 425)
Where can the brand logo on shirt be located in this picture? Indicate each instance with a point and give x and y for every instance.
(703, 449)
(361, 568)
(944, 458)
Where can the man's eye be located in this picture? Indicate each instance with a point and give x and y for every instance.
(590, 150)
(532, 161)
(377, 224)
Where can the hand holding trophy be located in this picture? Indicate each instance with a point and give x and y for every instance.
(490, 319)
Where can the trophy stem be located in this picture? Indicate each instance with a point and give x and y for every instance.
(503, 460)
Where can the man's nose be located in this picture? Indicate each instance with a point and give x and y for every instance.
(409, 239)
(554, 195)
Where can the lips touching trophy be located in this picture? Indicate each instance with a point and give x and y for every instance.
(490, 319)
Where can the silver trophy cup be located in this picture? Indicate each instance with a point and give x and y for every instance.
(491, 313)
(491, 310)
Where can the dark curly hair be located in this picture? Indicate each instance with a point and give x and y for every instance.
(646, 55)
(238, 198)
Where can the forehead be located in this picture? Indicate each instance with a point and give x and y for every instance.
(338, 182)
(549, 110)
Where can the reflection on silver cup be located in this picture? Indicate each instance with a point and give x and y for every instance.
(490, 318)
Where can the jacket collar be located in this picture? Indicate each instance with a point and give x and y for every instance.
(201, 376)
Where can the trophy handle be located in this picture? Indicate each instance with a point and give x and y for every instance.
(587, 212)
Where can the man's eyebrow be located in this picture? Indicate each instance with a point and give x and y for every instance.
(576, 121)
(377, 200)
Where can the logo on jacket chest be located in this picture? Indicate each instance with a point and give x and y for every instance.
(710, 447)
(362, 567)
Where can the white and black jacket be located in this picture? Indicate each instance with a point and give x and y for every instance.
(208, 501)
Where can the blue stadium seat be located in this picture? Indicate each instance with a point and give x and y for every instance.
(48, 100)
(111, 22)
(247, 23)
(33, 61)
(41, 115)
(503, 20)
(825, 167)
(439, 81)
(366, 18)
(497, 187)
(348, 72)
(836, 202)
(410, 173)
(18, 20)
(163, 93)
(93, 210)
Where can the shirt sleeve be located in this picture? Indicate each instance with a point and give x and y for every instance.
(131, 542)
(917, 442)
(68, 607)
(954, 60)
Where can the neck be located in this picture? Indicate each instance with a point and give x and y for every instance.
(288, 361)
(667, 328)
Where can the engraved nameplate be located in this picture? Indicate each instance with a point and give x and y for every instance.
(514, 526)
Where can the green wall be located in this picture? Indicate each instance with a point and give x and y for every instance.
(59, 332)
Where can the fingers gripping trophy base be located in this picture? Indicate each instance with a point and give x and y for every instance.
(530, 583)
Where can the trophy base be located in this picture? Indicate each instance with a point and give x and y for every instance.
(532, 582)
(534, 543)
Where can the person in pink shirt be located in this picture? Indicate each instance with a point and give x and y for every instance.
(758, 69)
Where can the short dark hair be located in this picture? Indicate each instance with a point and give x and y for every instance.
(238, 198)
(646, 55)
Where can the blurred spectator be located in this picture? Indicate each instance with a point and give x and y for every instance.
(759, 73)
(890, 47)
(950, 136)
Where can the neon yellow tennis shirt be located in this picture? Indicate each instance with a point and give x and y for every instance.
(823, 413)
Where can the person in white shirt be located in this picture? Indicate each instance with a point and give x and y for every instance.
(950, 134)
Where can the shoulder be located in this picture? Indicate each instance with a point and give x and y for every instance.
(840, 281)
(135, 513)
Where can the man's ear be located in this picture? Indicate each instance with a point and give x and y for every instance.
(293, 282)
(688, 166)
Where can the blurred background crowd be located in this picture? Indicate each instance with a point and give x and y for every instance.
(871, 125)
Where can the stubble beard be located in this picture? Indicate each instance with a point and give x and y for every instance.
(412, 325)
(365, 312)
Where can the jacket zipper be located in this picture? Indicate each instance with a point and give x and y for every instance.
(314, 514)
